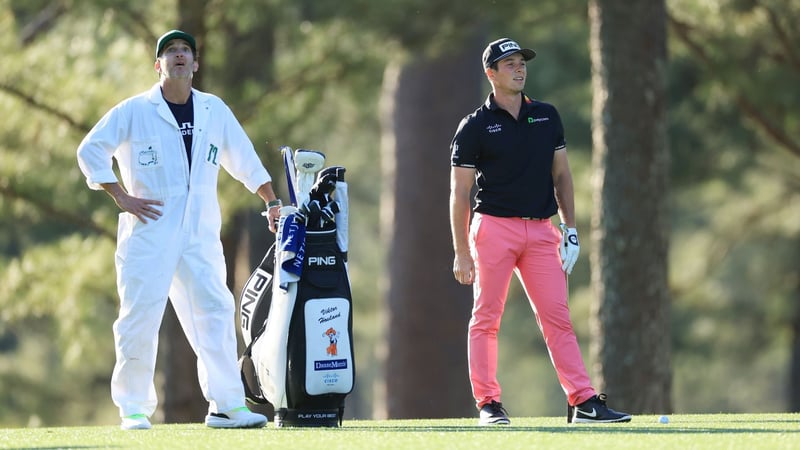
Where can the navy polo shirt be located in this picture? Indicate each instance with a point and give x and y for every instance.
(513, 157)
(184, 115)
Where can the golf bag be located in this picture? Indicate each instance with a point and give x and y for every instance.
(296, 314)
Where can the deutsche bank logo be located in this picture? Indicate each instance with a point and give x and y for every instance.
(334, 364)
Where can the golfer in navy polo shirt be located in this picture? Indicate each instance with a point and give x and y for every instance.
(513, 148)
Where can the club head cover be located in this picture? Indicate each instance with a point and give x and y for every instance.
(323, 187)
(337, 171)
(308, 161)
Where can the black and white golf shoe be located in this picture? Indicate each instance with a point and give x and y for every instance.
(595, 410)
(493, 413)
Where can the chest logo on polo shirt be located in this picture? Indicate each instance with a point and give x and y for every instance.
(537, 119)
(496, 128)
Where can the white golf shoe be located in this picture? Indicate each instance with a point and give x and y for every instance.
(236, 418)
(135, 422)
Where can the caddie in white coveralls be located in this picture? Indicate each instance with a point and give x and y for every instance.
(168, 240)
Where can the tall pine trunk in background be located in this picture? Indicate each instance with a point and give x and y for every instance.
(631, 308)
(425, 353)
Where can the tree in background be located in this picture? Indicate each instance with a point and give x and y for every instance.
(425, 361)
(631, 311)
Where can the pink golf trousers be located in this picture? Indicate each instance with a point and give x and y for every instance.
(502, 246)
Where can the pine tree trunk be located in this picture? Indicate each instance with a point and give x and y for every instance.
(426, 372)
(631, 309)
(183, 401)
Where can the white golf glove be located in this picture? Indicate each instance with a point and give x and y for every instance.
(569, 247)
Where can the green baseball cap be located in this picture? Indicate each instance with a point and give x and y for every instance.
(174, 34)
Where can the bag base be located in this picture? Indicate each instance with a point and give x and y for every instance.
(287, 417)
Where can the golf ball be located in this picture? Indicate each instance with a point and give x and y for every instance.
(663, 419)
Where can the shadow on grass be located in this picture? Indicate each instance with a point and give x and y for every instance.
(585, 429)
(61, 447)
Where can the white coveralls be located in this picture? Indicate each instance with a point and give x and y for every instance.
(180, 254)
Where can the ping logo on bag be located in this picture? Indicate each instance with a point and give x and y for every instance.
(324, 261)
(252, 292)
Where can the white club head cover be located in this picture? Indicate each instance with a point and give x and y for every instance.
(307, 163)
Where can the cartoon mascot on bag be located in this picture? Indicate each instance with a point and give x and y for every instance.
(333, 338)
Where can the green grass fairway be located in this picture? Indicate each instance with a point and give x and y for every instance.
(702, 431)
